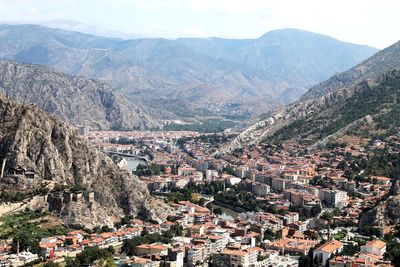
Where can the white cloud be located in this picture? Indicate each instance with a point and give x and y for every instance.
(361, 21)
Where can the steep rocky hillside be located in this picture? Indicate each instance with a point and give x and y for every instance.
(370, 101)
(74, 99)
(372, 104)
(386, 212)
(34, 141)
(279, 65)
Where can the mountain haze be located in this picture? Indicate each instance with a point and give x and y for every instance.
(374, 66)
(278, 66)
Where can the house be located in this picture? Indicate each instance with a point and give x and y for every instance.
(356, 261)
(324, 252)
(177, 256)
(375, 247)
(47, 248)
(292, 246)
(138, 262)
(184, 171)
(165, 226)
(217, 242)
(250, 239)
(157, 249)
(232, 258)
(197, 229)
(196, 253)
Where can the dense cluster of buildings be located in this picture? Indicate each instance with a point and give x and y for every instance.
(301, 188)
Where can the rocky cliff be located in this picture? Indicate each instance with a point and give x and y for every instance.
(75, 99)
(386, 212)
(32, 141)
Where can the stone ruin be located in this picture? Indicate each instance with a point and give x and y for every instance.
(57, 200)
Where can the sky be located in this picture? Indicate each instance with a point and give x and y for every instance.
(371, 22)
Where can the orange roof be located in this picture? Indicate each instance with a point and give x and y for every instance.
(141, 260)
(119, 233)
(251, 234)
(376, 243)
(74, 246)
(293, 243)
(154, 246)
(214, 237)
(133, 229)
(331, 246)
(369, 256)
(137, 221)
(234, 252)
(48, 245)
(381, 178)
(106, 235)
(255, 249)
(97, 240)
(76, 232)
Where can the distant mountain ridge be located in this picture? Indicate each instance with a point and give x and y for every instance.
(372, 67)
(74, 99)
(278, 66)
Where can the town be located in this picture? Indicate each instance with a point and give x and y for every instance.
(261, 206)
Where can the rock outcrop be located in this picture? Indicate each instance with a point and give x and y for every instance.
(74, 99)
(386, 212)
(44, 146)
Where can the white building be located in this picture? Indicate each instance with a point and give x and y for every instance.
(323, 253)
(375, 247)
(334, 198)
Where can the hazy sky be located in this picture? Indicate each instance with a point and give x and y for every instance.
(372, 22)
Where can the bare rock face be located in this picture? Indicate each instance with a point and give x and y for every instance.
(34, 141)
(386, 212)
(288, 115)
(74, 99)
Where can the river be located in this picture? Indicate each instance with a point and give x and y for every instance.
(133, 163)
(227, 214)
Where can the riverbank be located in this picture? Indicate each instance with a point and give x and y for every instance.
(228, 212)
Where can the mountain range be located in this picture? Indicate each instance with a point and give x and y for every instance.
(206, 75)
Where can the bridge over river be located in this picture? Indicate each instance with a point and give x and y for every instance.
(129, 156)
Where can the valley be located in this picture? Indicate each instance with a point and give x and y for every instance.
(276, 150)
(191, 76)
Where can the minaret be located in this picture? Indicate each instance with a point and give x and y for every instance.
(381, 225)
(3, 165)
